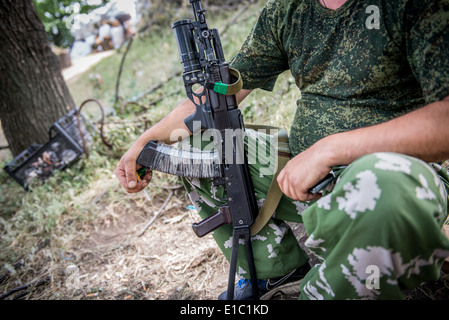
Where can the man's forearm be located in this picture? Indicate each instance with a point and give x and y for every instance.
(423, 133)
(169, 129)
(172, 127)
(174, 121)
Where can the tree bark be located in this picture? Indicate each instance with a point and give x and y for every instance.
(33, 93)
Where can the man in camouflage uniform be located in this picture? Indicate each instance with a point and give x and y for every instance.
(374, 96)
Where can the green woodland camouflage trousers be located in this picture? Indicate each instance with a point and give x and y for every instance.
(376, 232)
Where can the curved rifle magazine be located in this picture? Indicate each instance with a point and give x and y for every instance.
(180, 161)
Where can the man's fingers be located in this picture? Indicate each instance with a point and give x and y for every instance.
(140, 185)
(148, 175)
(130, 173)
(293, 191)
(121, 177)
(309, 196)
(120, 173)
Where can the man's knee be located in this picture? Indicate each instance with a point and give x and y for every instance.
(391, 182)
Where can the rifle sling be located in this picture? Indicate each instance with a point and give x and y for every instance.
(274, 193)
(227, 89)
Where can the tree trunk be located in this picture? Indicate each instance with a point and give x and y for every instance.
(33, 94)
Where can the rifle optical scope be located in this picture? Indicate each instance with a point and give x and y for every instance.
(186, 45)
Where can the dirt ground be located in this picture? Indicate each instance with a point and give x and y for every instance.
(110, 261)
(82, 64)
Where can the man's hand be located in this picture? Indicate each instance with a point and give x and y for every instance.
(126, 171)
(422, 133)
(162, 131)
(305, 170)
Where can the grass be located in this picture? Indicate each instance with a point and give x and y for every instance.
(153, 59)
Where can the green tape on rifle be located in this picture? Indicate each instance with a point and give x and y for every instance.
(221, 88)
(141, 172)
(227, 89)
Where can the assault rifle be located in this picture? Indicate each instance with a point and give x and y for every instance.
(204, 65)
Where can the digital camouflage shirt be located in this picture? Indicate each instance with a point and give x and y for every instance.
(362, 64)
